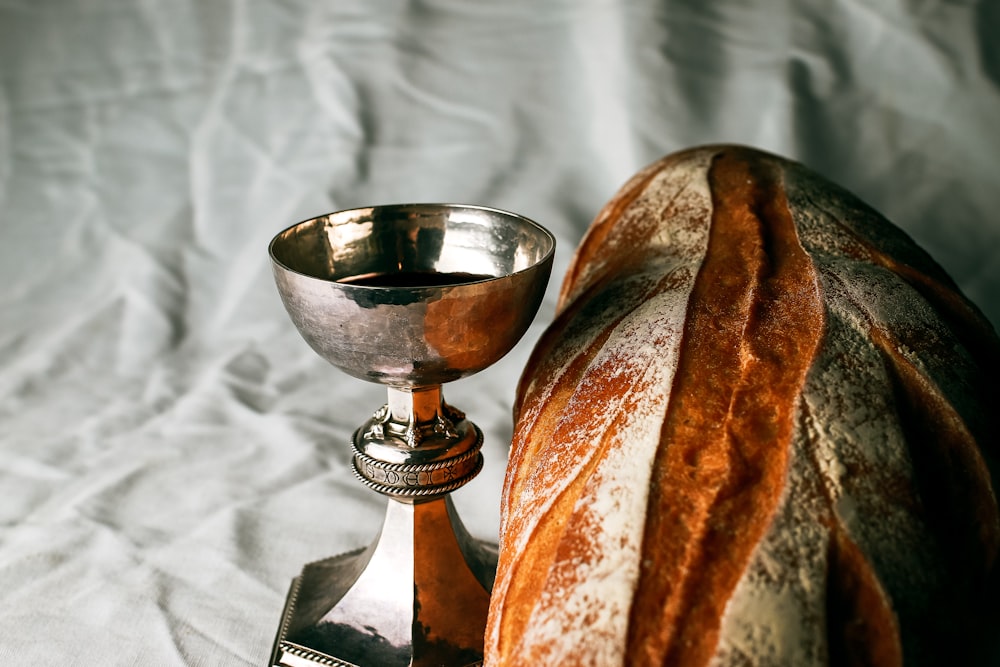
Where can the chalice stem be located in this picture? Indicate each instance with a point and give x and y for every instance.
(422, 412)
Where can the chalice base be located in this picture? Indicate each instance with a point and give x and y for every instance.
(418, 595)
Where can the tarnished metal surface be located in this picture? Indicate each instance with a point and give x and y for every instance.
(412, 336)
(413, 597)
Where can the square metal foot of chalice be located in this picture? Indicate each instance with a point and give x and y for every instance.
(409, 296)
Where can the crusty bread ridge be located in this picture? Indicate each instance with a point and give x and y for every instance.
(759, 431)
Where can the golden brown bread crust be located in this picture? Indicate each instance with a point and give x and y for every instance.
(754, 434)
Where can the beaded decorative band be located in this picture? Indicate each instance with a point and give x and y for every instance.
(420, 479)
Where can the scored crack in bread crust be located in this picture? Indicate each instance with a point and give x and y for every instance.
(756, 433)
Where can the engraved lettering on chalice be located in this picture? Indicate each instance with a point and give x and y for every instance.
(409, 296)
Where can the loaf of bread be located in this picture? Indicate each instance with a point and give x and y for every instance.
(760, 431)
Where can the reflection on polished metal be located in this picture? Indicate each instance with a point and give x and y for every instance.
(409, 296)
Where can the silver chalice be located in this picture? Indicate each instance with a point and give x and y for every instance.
(409, 296)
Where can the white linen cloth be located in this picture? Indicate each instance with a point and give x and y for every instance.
(171, 452)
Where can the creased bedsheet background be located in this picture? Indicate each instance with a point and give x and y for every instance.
(171, 452)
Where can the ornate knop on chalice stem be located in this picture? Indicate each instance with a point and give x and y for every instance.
(417, 446)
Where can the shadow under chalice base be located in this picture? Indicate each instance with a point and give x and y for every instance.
(405, 600)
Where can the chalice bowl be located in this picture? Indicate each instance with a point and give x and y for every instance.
(408, 296)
